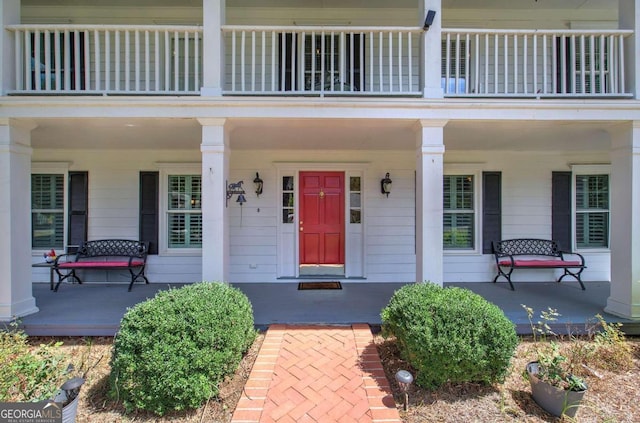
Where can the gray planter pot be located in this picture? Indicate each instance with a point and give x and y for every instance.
(69, 395)
(552, 399)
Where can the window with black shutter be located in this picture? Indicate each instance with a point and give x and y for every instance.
(491, 209)
(78, 209)
(149, 209)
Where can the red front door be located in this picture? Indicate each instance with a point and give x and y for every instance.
(321, 218)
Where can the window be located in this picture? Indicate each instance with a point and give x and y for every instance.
(47, 211)
(355, 200)
(64, 52)
(592, 210)
(454, 66)
(459, 212)
(582, 58)
(331, 63)
(184, 214)
(288, 198)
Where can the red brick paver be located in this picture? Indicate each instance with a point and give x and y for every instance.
(317, 374)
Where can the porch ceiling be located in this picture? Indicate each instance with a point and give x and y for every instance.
(321, 134)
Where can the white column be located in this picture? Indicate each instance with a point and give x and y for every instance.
(629, 18)
(215, 235)
(9, 14)
(429, 174)
(431, 49)
(16, 297)
(624, 299)
(213, 17)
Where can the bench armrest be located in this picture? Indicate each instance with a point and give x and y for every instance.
(66, 258)
(571, 253)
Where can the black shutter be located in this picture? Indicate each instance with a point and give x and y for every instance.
(149, 209)
(78, 209)
(561, 209)
(491, 209)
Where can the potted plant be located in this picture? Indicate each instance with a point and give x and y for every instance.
(554, 386)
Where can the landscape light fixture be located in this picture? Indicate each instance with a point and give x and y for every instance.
(404, 379)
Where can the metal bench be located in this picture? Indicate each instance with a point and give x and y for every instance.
(104, 254)
(528, 253)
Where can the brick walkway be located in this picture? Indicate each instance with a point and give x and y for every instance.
(317, 374)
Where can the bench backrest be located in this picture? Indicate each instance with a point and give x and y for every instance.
(527, 247)
(113, 247)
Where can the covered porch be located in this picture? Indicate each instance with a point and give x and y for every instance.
(96, 309)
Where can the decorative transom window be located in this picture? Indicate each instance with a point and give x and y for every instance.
(592, 202)
(47, 211)
(459, 212)
(184, 211)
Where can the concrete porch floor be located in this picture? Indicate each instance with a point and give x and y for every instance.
(94, 309)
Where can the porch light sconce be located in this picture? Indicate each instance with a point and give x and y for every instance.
(428, 20)
(404, 379)
(385, 184)
(236, 188)
(259, 184)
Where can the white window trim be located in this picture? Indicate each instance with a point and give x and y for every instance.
(166, 169)
(593, 169)
(476, 172)
(52, 168)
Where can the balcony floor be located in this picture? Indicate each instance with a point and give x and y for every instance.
(96, 309)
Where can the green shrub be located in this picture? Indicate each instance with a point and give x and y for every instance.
(173, 350)
(450, 334)
(29, 373)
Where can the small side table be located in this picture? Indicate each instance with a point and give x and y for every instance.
(50, 266)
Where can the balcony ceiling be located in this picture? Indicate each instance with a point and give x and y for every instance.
(315, 134)
(330, 4)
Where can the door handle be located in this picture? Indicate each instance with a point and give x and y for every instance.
(301, 229)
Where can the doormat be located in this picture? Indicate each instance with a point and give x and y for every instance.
(319, 285)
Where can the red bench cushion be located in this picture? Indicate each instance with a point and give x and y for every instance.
(540, 263)
(88, 264)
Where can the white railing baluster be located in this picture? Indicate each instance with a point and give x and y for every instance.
(400, 86)
(410, 57)
(117, 53)
(57, 59)
(147, 74)
(486, 64)
(176, 61)
(322, 64)
(253, 60)
(47, 60)
(196, 70)
(506, 64)
(621, 60)
(583, 65)
(273, 61)
(107, 61)
(20, 60)
(515, 63)
(476, 64)
(234, 70)
(545, 72)
(136, 49)
(96, 46)
(592, 64)
(613, 65)
(447, 64)
(87, 61)
(156, 46)
(243, 69)
(390, 54)
(603, 80)
(263, 61)
(332, 51)
(534, 49)
(127, 61)
(185, 77)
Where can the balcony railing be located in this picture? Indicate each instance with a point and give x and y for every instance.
(319, 61)
(107, 59)
(522, 63)
(316, 60)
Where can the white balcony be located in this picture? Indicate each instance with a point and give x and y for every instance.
(533, 63)
(319, 61)
(107, 59)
